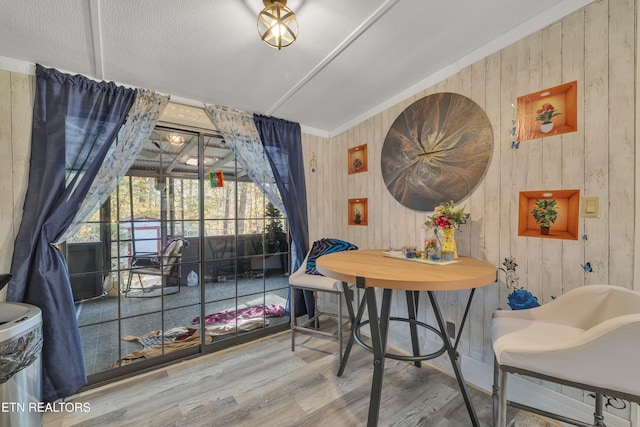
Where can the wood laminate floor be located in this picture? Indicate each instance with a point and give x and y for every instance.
(264, 383)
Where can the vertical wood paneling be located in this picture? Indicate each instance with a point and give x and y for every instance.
(22, 96)
(530, 72)
(596, 144)
(508, 204)
(310, 146)
(449, 300)
(339, 169)
(476, 227)
(377, 185)
(535, 169)
(596, 47)
(492, 207)
(312, 191)
(397, 213)
(573, 143)
(573, 155)
(385, 205)
(465, 87)
(621, 140)
(16, 111)
(552, 161)
(7, 231)
(463, 238)
(351, 182)
(366, 137)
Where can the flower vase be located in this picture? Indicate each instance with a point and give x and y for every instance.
(546, 127)
(449, 242)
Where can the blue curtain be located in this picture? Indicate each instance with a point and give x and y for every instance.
(283, 147)
(75, 122)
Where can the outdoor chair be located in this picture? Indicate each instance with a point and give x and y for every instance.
(165, 265)
(587, 338)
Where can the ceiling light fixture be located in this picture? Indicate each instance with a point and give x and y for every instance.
(175, 139)
(193, 161)
(277, 24)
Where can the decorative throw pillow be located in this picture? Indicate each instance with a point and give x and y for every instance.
(323, 247)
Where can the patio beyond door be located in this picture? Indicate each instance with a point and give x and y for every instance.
(188, 257)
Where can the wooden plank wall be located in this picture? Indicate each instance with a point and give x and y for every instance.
(16, 109)
(595, 46)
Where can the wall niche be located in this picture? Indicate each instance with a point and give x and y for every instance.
(567, 209)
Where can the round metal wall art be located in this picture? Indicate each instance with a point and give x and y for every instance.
(437, 150)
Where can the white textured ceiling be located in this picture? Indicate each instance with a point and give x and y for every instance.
(352, 57)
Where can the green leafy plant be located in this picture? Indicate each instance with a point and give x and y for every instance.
(546, 113)
(275, 237)
(545, 212)
(357, 215)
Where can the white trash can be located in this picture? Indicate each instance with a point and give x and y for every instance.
(20, 365)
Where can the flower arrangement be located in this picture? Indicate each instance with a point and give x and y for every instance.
(447, 215)
(546, 113)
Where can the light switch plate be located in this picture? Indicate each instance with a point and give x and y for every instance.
(591, 207)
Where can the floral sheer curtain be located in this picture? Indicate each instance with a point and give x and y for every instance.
(141, 120)
(287, 194)
(241, 135)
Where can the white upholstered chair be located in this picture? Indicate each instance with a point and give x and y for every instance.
(588, 338)
(318, 283)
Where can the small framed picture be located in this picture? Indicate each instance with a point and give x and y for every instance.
(357, 159)
(548, 112)
(358, 211)
(549, 214)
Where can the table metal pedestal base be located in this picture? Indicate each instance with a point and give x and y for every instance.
(379, 326)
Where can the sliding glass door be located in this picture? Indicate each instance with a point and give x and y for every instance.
(185, 257)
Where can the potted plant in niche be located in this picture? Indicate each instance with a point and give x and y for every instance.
(545, 213)
(544, 115)
(357, 216)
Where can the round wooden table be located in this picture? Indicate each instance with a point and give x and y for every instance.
(370, 269)
(381, 271)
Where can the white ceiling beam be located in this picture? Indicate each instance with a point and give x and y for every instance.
(355, 34)
(96, 38)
